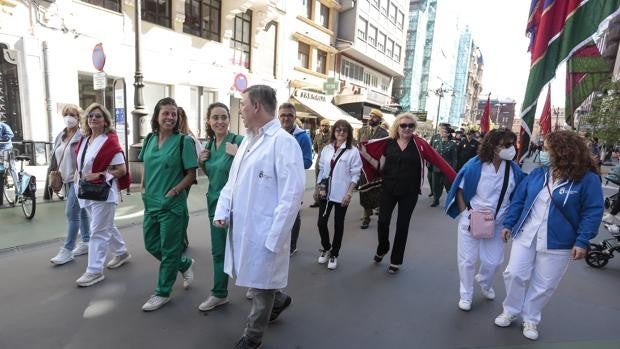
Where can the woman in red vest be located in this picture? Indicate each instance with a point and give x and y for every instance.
(100, 159)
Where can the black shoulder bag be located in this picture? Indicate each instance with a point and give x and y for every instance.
(88, 190)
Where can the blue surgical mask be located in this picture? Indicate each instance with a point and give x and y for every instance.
(544, 158)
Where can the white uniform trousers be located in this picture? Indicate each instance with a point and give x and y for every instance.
(103, 235)
(490, 253)
(531, 277)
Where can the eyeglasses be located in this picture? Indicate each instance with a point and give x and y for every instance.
(339, 130)
(94, 116)
(289, 115)
(411, 126)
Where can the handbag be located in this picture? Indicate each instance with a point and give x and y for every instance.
(88, 190)
(482, 221)
(323, 185)
(54, 179)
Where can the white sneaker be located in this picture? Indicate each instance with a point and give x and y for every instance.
(249, 294)
(63, 256)
(89, 279)
(464, 305)
(212, 303)
(188, 275)
(323, 257)
(119, 260)
(504, 320)
(530, 331)
(155, 302)
(611, 219)
(333, 263)
(80, 249)
(488, 294)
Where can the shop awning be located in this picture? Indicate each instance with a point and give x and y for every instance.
(328, 111)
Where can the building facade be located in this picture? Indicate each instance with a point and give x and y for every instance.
(459, 86)
(474, 84)
(502, 111)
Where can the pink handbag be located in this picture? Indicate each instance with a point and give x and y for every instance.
(482, 223)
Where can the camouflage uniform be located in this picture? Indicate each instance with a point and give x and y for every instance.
(448, 150)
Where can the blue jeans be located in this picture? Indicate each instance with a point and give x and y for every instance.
(77, 218)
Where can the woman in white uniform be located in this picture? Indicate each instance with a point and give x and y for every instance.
(100, 159)
(487, 181)
(553, 215)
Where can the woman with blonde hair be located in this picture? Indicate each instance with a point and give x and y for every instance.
(101, 166)
(64, 161)
(400, 158)
(554, 213)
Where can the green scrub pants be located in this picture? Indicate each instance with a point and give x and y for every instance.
(163, 238)
(218, 251)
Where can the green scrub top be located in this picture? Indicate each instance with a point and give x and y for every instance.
(218, 168)
(164, 167)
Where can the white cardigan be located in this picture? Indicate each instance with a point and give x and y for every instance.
(346, 171)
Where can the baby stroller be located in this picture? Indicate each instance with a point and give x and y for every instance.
(599, 254)
(614, 177)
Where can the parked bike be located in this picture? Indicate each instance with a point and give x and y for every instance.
(599, 254)
(20, 190)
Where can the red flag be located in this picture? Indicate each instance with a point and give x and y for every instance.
(485, 120)
(545, 117)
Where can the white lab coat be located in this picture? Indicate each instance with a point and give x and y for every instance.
(263, 192)
(346, 171)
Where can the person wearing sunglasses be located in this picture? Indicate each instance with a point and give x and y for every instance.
(64, 161)
(554, 213)
(487, 182)
(340, 167)
(100, 159)
(400, 158)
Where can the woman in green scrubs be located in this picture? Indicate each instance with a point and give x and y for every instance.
(170, 164)
(215, 160)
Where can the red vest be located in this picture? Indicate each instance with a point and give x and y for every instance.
(105, 155)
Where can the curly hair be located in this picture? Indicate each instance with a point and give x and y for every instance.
(570, 157)
(492, 139)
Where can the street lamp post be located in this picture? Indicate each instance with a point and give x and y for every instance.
(439, 93)
(139, 112)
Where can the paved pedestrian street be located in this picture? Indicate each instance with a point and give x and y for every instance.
(359, 305)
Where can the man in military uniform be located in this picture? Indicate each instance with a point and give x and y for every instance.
(321, 138)
(429, 168)
(468, 148)
(373, 130)
(447, 149)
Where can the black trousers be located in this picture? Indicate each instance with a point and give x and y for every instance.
(406, 205)
(295, 231)
(325, 209)
(439, 183)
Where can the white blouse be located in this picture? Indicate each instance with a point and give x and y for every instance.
(346, 171)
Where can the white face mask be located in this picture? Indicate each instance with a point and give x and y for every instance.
(508, 153)
(70, 121)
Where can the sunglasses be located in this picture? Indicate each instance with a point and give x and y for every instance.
(343, 130)
(412, 126)
(94, 116)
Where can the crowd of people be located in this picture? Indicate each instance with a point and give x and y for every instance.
(256, 186)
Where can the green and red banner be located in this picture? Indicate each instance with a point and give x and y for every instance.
(557, 29)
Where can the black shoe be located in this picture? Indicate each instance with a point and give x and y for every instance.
(393, 269)
(245, 343)
(430, 195)
(365, 223)
(378, 258)
(316, 204)
(434, 204)
(276, 311)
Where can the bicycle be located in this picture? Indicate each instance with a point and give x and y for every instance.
(25, 190)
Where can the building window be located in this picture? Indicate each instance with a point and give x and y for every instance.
(241, 40)
(393, 12)
(324, 16)
(372, 35)
(381, 42)
(389, 49)
(384, 7)
(367, 78)
(202, 18)
(361, 28)
(400, 20)
(397, 52)
(321, 61)
(112, 5)
(375, 3)
(303, 55)
(352, 71)
(157, 11)
(308, 6)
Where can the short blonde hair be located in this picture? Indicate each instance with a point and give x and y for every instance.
(396, 123)
(86, 131)
(71, 109)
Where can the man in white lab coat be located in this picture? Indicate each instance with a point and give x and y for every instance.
(259, 204)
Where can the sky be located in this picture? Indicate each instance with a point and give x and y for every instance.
(498, 28)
